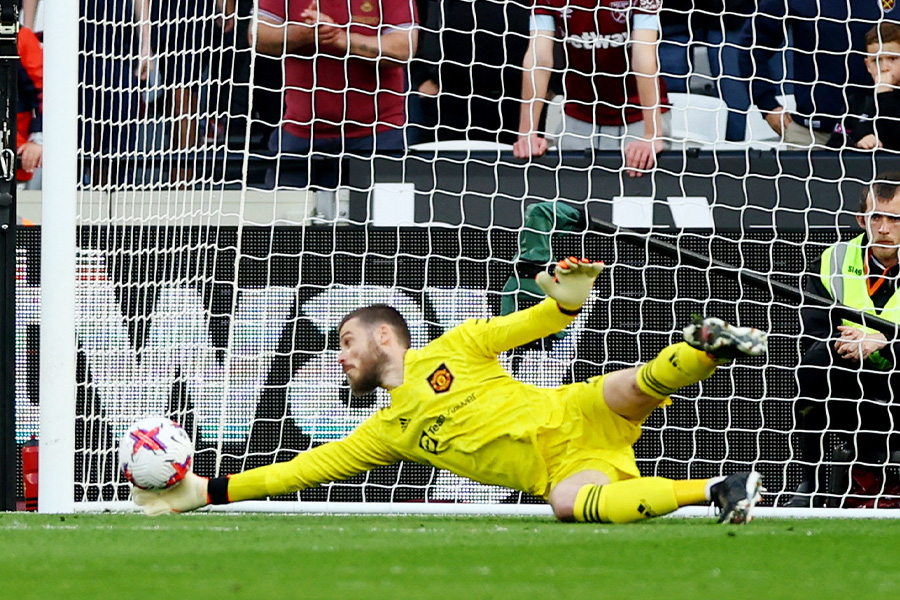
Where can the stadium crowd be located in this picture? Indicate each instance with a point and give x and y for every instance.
(174, 79)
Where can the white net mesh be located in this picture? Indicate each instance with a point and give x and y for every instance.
(231, 213)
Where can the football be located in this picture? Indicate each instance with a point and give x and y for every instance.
(155, 453)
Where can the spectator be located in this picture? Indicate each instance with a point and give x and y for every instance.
(874, 118)
(29, 117)
(466, 70)
(715, 25)
(827, 54)
(110, 102)
(612, 100)
(344, 78)
(28, 9)
(689, 24)
(847, 375)
(249, 90)
(177, 38)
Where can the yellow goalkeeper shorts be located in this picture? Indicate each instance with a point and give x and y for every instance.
(591, 437)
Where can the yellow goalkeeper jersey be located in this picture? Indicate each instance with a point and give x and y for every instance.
(457, 409)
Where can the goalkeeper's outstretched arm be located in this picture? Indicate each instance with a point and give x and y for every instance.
(361, 451)
(567, 291)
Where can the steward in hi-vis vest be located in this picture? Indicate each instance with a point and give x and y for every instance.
(845, 272)
(848, 377)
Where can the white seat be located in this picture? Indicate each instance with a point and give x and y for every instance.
(461, 145)
(697, 120)
(758, 129)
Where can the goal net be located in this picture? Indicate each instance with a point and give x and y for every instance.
(213, 261)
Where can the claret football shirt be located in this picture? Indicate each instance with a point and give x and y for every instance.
(599, 88)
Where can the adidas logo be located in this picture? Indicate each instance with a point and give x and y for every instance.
(404, 423)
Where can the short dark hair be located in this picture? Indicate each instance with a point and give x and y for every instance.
(883, 33)
(884, 188)
(376, 314)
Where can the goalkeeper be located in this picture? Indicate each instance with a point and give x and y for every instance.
(454, 407)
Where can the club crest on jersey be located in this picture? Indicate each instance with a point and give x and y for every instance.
(888, 5)
(620, 10)
(441, 380)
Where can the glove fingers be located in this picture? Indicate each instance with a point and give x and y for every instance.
(596, 268)
(142, 497)
(150, 502)
(155, 509)
(582, 267)
(571, 283)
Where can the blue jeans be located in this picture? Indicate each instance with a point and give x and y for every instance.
(320, 159)
(675, 69)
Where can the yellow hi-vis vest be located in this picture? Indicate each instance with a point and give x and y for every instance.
(843, 274)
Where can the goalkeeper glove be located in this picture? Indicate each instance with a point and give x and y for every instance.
(188, 494)
(571, 283)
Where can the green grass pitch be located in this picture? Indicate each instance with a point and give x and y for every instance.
(199, 556)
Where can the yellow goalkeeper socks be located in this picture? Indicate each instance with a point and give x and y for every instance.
(692, 491)
(637, 499)
(675, 367)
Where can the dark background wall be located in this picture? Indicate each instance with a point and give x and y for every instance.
(773, 215)
(785, 190)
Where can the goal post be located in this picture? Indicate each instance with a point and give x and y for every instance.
(58, 275)
(166, 277)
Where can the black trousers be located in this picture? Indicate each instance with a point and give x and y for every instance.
(860, 406)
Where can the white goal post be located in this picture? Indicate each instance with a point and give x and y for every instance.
(165, 277)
